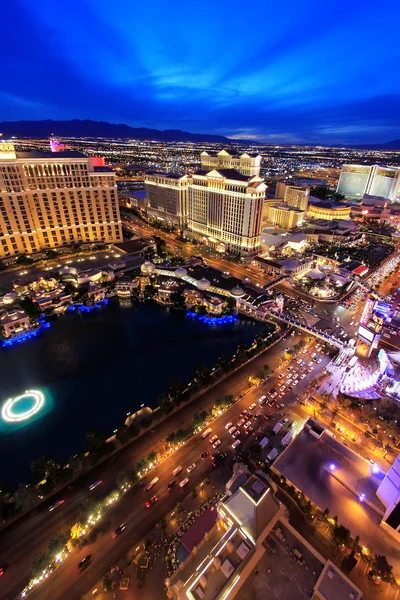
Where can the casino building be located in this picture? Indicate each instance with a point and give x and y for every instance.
(52, 199)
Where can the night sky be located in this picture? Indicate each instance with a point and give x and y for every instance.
(292, 71)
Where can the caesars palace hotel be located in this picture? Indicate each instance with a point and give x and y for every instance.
(52, 199)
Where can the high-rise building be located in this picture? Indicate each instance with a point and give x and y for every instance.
(219, 205)
(285, 216)
(225, 209)
(167, 197)
(357, 180)
(293, 195)
(48, 200)
(246, 163)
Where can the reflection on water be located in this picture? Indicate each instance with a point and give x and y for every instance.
(94, 368)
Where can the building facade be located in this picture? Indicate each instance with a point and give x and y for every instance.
(48, 200)
(246, 163)
(167, 197)
(225, 209)
(374, 180)
(285, 216)
(293, 195)
(327, 210)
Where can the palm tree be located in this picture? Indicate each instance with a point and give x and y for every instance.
(40, 562)
(57, 543)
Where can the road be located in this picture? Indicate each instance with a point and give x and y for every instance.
(67, 584)
(22, 541)
(135, 225)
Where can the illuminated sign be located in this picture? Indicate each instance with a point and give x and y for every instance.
(366, 333)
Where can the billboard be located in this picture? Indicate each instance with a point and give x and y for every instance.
(366, 334)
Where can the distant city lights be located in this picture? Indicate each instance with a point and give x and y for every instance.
(9, 413)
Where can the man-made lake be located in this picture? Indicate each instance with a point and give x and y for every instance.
(95, 367)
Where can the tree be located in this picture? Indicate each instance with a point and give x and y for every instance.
(57, 543)
(149, 291)
(178, 299)
(194, 493)
(25, 497)
(152, 457)
(40, 562)
(95, 441)
(30, 307)
(122, 434)
(382, 567)
(164, 525)
(149, 253)
(176, 388)
(126, 480)
(165, 403)
(341, 534)
(76, 530)
(44, 467)
(267, 370)
(107, 582)
(324, 192)
(199, 419)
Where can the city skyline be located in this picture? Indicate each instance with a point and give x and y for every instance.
(307, 79)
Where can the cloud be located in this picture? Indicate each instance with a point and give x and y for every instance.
(280, 71)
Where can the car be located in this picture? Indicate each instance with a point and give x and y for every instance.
(249, 430)
(85, 562)
(152, 500)
(152, 483)
(219, 458)
(3, 569)
(243, 414)
(236, 443)
(171, 485)
(252, 406)
(303, 376)
(191, 467)
(95, 484)
(205, 454)
(228, 425)
(236, 434)
(176, 471)
(247, 424)
(232, 429)
(216, 443)
(212, 439)
(118, 531)
(240, 423)
(183, 482)
(56, 505)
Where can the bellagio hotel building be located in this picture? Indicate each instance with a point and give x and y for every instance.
(48, 200)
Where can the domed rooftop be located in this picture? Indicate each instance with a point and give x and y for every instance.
(180, 272)
(147, 267)
(9, 297)
(237, 292)
(203, 284)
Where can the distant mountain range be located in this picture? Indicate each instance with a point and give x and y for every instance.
(394, 145)
(102, 129)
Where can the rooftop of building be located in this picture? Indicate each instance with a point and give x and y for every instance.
(232, 174)
(326, 203)
(232, 153)
(165, 174)
(53, 155)
(288, 208)
(333, 584)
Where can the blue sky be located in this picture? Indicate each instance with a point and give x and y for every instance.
(294, 71)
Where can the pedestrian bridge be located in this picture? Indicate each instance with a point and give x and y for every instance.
(330, 339)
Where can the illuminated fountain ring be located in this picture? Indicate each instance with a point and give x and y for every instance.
(8, 413)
